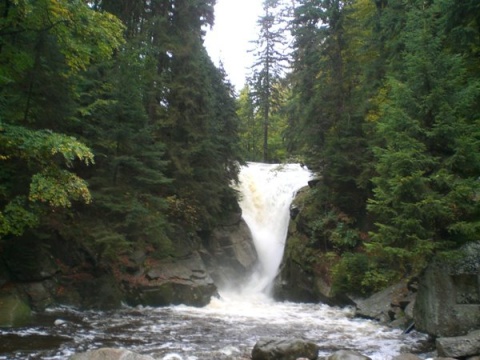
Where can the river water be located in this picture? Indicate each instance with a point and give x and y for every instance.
(229, 326)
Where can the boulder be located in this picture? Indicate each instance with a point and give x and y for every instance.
(448, 299)
(173, 281)
(459, 346)
(284, 349)
(230, 254)
(347, 355)
(85, 290)
(384, 306)
(110, 354)
(14, 312)
(39, 294)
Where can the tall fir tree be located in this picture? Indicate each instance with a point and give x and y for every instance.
(428, 163)
(271, 58)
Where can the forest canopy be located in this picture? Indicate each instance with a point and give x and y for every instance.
(116, 128)
(118, 131)
(382, 100)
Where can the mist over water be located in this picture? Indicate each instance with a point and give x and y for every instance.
(229, 327)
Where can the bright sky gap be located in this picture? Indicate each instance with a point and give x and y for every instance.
(230, 39)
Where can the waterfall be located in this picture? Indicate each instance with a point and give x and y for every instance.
(267, 191)
(231, 324)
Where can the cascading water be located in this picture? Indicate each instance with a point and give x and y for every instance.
(267, 191)
(227, 328)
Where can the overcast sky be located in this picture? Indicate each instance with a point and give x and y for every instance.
(228, 41)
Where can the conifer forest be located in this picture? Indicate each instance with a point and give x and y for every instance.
(117, 130)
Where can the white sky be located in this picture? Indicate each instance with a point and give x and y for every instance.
(229, 40)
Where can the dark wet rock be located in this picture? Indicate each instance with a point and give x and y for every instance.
(284, 349)
(448, 300)
(313, 182)
(301, 277)
(229, 253)
(4, 274)
(386, 305)
(174, 281)
(459, 346)
(27, 260)
(392, 306)
(347, 355)
(406, 357)
(87, 291)
(39, 294)
(110, 354)
(14, 311)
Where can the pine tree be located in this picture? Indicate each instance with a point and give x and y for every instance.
(269, 66)
(428, 164)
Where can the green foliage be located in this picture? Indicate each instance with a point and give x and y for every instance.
(43, 46)
(16, 217)
(41, 146)
(385, 106)
(266, 87)
(355, 273)
(166, 149)
(57, 187)
(42, 153)
(424, 187)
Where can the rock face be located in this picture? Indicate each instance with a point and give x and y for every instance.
(51, 271)
(110, 354)
(229, 252)
(299, 279)
(392, 305)
(178, 281)
(448, 300)
(284, 349)
(460, 346)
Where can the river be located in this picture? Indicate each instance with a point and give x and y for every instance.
(229, 326)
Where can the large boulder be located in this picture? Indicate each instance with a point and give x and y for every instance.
(459, 346)
(392, 305)
(110, 354)
(448, 299)
(347, 355)
(229, 254)
(284, 349)
(172, 281)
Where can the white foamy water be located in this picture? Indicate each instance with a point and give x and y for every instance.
(267, 191)
(229, 327)
(226, 329)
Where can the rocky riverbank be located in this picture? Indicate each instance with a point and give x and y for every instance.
(443, 301)
(34, 276)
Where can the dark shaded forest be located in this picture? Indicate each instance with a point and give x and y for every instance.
(116, 129)
(118, 132)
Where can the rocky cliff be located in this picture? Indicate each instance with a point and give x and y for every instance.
(305, 271)
(38, 273)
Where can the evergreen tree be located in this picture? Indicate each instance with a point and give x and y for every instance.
(428, 164)
(188, 105)
(271, 60)
(328, 103)
(250, 129)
